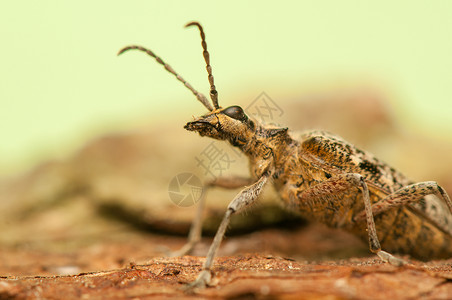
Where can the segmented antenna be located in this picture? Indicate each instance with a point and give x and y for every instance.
(198, 95)
(205, 53)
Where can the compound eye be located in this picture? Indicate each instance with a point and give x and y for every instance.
(235, 112)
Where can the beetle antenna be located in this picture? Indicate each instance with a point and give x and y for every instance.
(167, 67)
(205, 53)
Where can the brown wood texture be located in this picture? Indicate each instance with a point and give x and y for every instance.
(98, 224)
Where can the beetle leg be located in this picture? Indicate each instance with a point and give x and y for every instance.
(194, 236)
(246, 197)
(409, 194)
(323, 195)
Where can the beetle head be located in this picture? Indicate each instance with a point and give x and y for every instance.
(229, 123)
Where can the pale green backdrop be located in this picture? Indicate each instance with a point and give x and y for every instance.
(62, 84)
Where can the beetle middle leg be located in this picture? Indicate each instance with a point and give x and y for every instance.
(323, 197)
(194, 236)
(410, 194)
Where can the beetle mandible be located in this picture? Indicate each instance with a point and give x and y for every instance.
(325, 179)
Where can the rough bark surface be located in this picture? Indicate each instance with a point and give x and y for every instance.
(99, 224)
(242, 277)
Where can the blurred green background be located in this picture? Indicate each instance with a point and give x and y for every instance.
(62, 84)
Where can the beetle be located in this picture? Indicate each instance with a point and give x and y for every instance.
(323, 178)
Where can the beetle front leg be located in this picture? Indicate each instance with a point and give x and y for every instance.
(194, 236)
(246, 197)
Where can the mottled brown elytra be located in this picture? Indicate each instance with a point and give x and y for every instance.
(325, 179)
